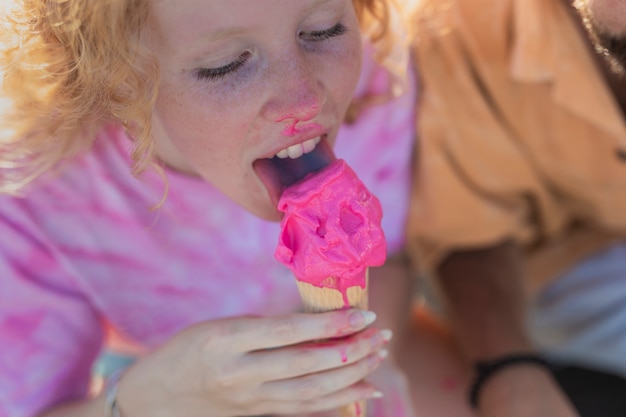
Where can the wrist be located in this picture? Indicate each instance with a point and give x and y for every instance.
(110, 394)
(501, 369)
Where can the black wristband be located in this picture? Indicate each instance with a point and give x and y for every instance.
(484, 370)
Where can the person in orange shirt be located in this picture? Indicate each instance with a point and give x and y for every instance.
(518, 213)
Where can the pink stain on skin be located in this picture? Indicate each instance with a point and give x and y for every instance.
(342, 348)
(343, 351)
(293, 129)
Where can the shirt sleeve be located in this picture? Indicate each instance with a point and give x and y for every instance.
(473, 185)
(50, 334)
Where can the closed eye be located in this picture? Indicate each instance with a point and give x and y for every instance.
(322, 35)
(215, 74)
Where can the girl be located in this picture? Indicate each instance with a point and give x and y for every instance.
(201, 98)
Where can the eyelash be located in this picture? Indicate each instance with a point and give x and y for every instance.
(322, 35)
(216, 74)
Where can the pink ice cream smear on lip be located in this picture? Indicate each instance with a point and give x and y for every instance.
(293, 129)
(331, 232)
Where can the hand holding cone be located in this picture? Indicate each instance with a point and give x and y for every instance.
(330, 235)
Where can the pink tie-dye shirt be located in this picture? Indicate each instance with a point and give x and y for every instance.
(84, 247)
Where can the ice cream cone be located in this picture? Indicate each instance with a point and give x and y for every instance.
(331, 228)
(320, 300)
(323, 299)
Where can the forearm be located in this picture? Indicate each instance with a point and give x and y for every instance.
(485, 299)
(86, 408)
(391, 292)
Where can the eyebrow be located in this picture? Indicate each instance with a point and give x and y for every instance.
(224, 33)
(318, 3)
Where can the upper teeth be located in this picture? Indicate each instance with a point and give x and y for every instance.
(297, 150)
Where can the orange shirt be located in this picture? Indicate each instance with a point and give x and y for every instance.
(518, 135)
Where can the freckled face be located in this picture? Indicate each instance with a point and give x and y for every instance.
(237, 75)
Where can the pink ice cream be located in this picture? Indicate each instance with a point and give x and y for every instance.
(331, 230)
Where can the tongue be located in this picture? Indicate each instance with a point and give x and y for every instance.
(278, 174)
(291, 171)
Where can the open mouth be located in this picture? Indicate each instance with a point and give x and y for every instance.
(292, 164)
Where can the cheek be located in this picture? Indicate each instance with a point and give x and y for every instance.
(345, 74)
(191, 123)
(179, 116)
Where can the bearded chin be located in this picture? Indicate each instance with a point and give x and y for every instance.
(611, 47)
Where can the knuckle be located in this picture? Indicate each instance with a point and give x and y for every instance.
(367, 343)
(337, 323)
(216, 336)
(362, 348)
(218, 383)
(222, 378)
(304, 361)
(366, 365)
(357, 350)
(284, 329)
(308, 390)
(226, 381)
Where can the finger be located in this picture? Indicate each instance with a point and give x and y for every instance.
(357, 392)
(314, 357)
(272, 332)
(314, 386)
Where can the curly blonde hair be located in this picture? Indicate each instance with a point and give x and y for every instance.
(68, 66)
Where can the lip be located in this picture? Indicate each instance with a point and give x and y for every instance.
(271, 170)
(294, 129)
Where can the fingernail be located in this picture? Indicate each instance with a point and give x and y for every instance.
(379, 339)
(386, 334)
(377, 394)
(362, 318)
(383, 353)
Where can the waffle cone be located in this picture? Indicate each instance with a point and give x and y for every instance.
(320, 300)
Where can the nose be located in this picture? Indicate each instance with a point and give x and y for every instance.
(297, 94)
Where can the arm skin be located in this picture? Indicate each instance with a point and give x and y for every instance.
(390, 296)
(86, 408)
(391, 289)
(486, 300)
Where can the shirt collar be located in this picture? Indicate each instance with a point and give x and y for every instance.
(540, 55)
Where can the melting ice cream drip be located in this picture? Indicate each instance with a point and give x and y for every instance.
(331, 231)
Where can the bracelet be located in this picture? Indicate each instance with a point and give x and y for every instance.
(484, 370)
(110, 395)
